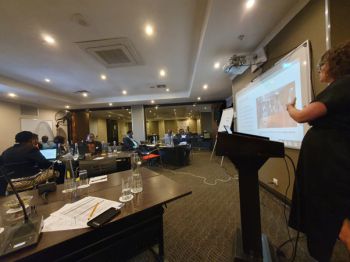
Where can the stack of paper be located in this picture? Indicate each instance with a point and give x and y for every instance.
(77, 214)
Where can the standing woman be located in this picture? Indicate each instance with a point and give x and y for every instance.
(321, 195)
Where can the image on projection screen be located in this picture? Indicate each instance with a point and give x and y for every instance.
(271, 108)
(261, 106)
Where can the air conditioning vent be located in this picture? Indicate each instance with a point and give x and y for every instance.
(115, 52)
(161, 86)
(29, 111)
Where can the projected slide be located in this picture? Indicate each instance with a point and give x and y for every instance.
(261, 106)
(271, 108)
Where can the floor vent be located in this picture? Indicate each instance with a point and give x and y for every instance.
(115, 52)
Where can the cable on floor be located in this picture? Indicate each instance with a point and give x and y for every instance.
(204, 178)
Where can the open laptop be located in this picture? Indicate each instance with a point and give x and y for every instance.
(49, 154)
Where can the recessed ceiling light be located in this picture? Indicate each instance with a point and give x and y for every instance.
(217, 65)
(124, 92)
(110, 104)
(12, 95)
(205, 87)
(67, 106)
(49, 39)
(47, 80)
(149, 30)
(152, 101)
(156, 107)
(84, 94)
(168, 90)
(194, 105)
(103, 77)
(250, 3)
(150, 111)
(198, 98)
(162, 73)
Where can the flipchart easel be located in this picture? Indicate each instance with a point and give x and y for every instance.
(226, 120)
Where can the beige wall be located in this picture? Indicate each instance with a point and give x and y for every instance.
(161, 128)
(309, 24)
(101, 130)
(340, 29)
(170, 124)
(152, 127)
(190, 123)
(11, 122)
(123, 127)
(98, 127)
(199, 126)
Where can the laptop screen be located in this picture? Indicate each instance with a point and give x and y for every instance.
(49, 154)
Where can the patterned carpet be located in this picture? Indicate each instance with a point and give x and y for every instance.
(200, 227)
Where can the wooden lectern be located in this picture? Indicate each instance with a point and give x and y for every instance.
(248, 153)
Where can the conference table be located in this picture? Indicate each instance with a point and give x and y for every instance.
(106, 163)
(175, 156)
(138, 227)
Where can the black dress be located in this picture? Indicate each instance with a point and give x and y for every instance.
(321, 195)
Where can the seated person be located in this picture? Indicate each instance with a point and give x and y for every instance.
(59, 144)
(46, 144)
(93, 146)
(168, 138)
(129, 143)
(36, 142)
(24, 159)
(181, 138)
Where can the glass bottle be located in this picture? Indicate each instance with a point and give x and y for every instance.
(76, 152)
(137, 186)
(114, 147)
(69, 177)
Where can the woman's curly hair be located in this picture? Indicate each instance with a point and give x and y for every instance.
(338, 60)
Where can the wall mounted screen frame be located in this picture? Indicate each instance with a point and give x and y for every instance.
(261, 106)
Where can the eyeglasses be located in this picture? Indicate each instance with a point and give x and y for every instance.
(319, 67)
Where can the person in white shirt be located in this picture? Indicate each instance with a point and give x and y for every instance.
(168, 138)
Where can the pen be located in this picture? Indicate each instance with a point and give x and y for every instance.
(93, 211)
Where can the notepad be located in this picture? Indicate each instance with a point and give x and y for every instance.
(76, 215)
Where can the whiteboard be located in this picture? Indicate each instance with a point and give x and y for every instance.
(226, 119)
(37, 126)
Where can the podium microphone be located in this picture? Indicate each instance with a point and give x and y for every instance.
(22, 234)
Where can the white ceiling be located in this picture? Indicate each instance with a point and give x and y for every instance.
(190, 35)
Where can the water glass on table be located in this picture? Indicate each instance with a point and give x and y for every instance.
(126, 189)
(83, 179)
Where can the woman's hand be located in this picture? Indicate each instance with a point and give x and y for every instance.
(292, 104)
(344, 234)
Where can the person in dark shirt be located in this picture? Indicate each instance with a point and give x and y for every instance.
(93, 146)
(129, 143)
(321, 195)
(59, 142)
(35, 141)
(24, 159)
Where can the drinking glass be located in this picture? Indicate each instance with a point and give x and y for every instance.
(83, 179)
(126, 189)
(136, 175)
